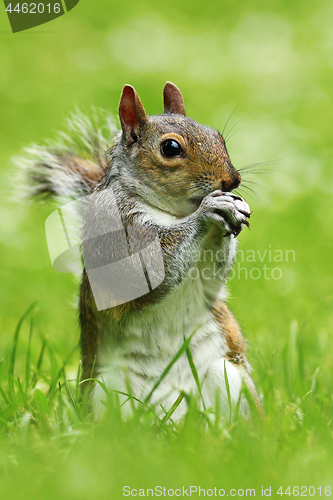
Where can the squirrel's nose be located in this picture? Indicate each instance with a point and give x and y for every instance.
(231, 179)
(232, 183)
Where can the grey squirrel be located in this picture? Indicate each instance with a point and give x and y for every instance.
(172, 178)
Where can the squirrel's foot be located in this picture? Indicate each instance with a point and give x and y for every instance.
(227, 210)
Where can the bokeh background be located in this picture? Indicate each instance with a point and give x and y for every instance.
(273, 60)
(276, 58)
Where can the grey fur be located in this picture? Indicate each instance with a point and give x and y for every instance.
(49, 170)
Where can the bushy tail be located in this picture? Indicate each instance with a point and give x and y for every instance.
(73, 164)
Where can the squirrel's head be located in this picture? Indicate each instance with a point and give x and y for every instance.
(171, 161)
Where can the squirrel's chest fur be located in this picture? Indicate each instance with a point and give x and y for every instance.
(154, 336)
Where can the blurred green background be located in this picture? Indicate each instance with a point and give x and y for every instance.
(277, 58)
(274, 59)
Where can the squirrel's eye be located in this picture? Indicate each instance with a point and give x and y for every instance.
(171, 148)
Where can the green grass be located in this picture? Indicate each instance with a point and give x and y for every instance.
(50, 442)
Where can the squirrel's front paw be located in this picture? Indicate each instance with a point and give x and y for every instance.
(227, 210)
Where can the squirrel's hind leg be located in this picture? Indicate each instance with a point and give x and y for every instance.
(236, 354)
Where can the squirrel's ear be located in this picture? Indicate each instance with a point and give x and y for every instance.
(132, 114)
(173, 99)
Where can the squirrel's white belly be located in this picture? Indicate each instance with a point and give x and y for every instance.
(154, 338)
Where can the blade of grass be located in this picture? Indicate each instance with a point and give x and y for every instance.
(77, 383)
(217, 410)
(226, 380)
(1, 370)
(89, 380)
(22, 393)
(41, 409)
(54, 383)
(3, 394)
(195, 374)
(28, 359)
(39, 363)
(313, 384)
(73, 401)
(53, 386)
(181, 351)
(60, 409)
(173, 408)
(12, 357)
(108, 391)
(129, 390)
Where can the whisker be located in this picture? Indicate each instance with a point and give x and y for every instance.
(232, 112)
(263, 163)
(239, 193)
(228, 133)
(248, 188)
(255, 183)
(248, 173)
(253, 194)
(244, 182)
(229, 136)
(255, 166)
